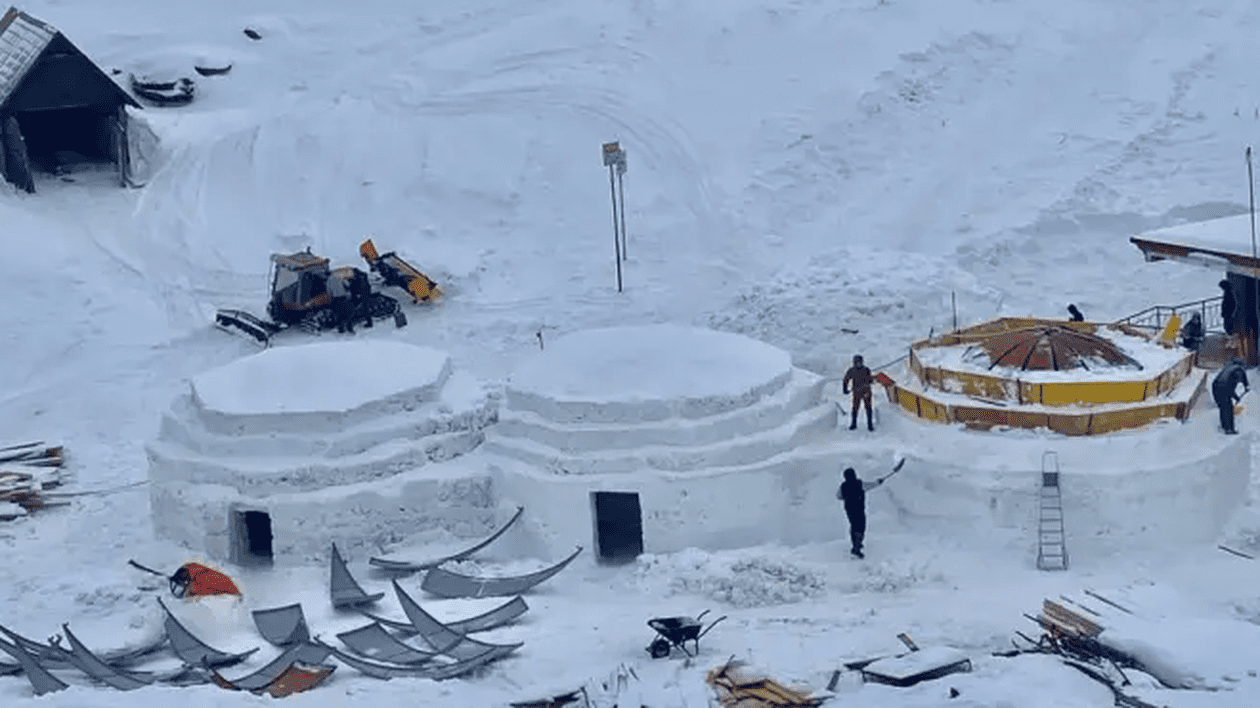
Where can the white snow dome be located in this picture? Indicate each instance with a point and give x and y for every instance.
(655, 438)
(273, 456)
(647, 373)
(622, 399)
(334, 377)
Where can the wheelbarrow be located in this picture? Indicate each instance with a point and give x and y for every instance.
(676, 631)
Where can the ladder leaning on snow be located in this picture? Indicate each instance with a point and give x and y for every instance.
(1051, 551)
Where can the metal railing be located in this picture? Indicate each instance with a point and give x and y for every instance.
(1157, 317)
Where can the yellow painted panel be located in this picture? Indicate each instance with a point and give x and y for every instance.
(1029, 392)
(934, 411)
(984, 416)
(1132, 418)
(1069, 424)
(1027, 419)
(1064, 394)
(1169, 336)
(907, 400)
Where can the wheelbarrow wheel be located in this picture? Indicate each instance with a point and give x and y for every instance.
(659, 649)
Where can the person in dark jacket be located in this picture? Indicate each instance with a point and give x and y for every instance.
(860, 378)
(853, 492)
(1229, 307)
(1225, 392)
(342, 304)
(1075, 313)
(360, 295)
(1192, 333)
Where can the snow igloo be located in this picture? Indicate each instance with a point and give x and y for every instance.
(658, 438)
(269, 458)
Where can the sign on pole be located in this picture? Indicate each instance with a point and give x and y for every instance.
(615, 158)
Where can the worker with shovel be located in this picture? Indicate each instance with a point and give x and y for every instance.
(1225, 392)
(853, 493)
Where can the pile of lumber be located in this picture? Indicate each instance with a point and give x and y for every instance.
(737, 689)
(1071, 633)
(27, 471)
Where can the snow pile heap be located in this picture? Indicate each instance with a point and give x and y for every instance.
(327, 441)
(737, 579)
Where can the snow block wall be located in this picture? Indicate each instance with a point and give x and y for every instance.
(332, 441)
(1110, 504)
(709, 429)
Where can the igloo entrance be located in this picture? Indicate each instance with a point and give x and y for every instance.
(251, 537)
(618, 526)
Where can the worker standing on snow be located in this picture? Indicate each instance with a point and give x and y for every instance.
(1225, 392)
(342, 305)
(860, 377)
(853, 492)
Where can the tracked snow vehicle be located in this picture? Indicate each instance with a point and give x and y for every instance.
(307, 294)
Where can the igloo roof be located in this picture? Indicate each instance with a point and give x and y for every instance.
(652, 362)
(1051, 347)
(322, 377)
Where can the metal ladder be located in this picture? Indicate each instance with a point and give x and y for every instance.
(1051, 551)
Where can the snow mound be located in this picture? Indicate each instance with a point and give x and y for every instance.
(330, 377)
(737, 579)
(636, 364)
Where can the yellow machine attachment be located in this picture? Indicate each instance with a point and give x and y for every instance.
(395, 271)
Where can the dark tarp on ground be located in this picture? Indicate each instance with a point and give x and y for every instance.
(346, 592)
(303, 653)
(193, 651)
(437, 672)
(283, 626)
(41, 681)
(373, 642)
(411, 567)
(441, 637)
(499, 616)
(93, 666)
(444, 583)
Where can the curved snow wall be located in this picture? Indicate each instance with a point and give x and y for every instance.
(708, 432)
(358, 463)
(790, 500)
(1105, 511)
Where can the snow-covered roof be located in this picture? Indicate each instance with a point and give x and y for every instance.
(1220, 244)
(22, 38)
(1230, 234)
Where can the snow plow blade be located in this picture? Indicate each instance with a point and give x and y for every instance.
(395, 271)
(244, 324)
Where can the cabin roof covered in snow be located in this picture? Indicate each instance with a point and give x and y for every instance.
(1221, 244)
(22, 39)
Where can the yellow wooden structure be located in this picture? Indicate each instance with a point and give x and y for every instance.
(1000, 401)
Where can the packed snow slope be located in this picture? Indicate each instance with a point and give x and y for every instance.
(819, 175)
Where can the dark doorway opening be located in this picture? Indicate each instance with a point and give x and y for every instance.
(252, 542)
(63, 139)
(618, 526)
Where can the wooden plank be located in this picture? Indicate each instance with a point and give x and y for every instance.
(1071, 622)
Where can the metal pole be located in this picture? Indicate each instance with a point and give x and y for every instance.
(953, 301)
(621, 186)
(612, 188)
(1255, 290)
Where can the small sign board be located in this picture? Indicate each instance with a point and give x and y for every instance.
(614, 156)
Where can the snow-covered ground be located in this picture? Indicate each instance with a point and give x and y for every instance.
(823, 176)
